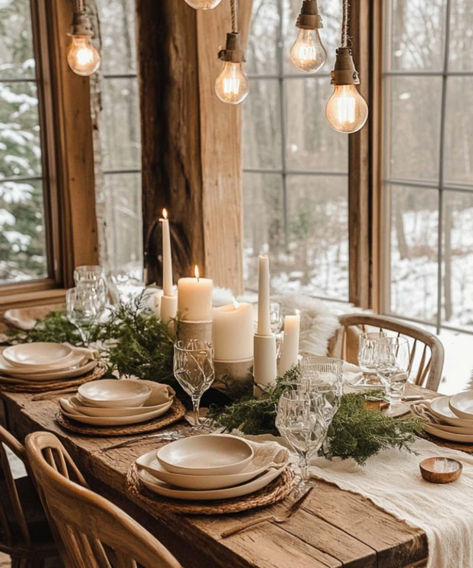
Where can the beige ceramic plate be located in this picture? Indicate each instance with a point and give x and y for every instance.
(79, 366)
(149, 463)
(162, 488)
(75, 406)
(452, 437)
(116, 420)
(440, 408)
(462, 405)
(40, 356)
(114, 393)
(216, 454)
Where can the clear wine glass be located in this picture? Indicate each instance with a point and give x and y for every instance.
(300, 421)
(82, 310)
(369, 348)
(393, 366)
(194, 370)
(323, 376)
(93, 277)
(275, 316)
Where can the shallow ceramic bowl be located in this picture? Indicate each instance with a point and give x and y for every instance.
(462, 405)
(40, 356)
(114, 393)
(116, 420)
(440, 470)
(215, 454)
(149, 463)
(440, 407)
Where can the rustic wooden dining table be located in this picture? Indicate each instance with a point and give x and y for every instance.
(334, 527)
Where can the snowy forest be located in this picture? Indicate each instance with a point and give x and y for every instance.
(295, 167)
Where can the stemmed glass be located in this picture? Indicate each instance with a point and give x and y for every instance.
(275, 316)
(93, 277)
(393, 366)
(81, 308)
(324, 376)
(300, 421)
(194, 370)
(369, 347)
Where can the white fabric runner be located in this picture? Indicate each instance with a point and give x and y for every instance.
(392, 481)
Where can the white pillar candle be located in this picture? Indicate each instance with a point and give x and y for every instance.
(233, 332)
(167, 257)
(290, 344)
(195, 298)
(264, 318)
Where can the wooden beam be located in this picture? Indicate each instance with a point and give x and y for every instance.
(71, 169)
(191, 141)
(359, 188)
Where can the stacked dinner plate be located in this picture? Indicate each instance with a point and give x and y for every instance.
(452, 417)
(112, 402)
(208, 467)
(44, 362)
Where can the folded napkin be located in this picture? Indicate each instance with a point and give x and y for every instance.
(392, 481)
(269, 453)
(160, 393)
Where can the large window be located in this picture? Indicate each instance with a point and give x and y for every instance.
(120, 138)
(295, 166)
(428, 164)
(23, 240)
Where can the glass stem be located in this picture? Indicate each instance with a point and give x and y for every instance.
(195, 407)
(304, 466)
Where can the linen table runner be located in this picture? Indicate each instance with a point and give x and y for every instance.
(392, 481)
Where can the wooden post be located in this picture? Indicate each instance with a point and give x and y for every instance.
(191, 141)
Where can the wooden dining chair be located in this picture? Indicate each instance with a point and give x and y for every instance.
(24, 529)
(92, 530)
(426, 350)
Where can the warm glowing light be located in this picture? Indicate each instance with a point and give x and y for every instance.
(82, 56)
(236, 304)
(203, 4)
(196, 272)
(232, 83)
(346, 109)
(165, 213)
(308, 53)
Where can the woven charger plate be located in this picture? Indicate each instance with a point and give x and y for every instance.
(44, 386)
(275, 491)
(175, 413)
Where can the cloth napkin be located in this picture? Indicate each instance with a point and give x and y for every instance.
(392, 481)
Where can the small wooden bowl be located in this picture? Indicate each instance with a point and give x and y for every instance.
(440, 470)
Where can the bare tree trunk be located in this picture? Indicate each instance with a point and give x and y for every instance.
(447, 276)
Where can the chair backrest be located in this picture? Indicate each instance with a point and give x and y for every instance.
(94, 532)
(427, 352)
(13, 525)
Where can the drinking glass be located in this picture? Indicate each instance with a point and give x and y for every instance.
(369, 347)
(393, 366)
(323, 376)
(93, 277)
(81, 308)
(275, 317)
(300, 421)
(194, 370)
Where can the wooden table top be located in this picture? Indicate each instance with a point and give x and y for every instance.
(334, 528)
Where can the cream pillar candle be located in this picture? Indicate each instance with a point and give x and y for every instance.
(290, 343)
(195, 298)
(233, 332)
(264, 318)
(167, 257)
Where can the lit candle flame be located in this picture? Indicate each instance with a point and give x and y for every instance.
(165, 213)
(297, 312)
(236, 303)
(196, 272)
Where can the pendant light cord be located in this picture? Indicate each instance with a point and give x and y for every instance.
(234, 7)
(345, 35)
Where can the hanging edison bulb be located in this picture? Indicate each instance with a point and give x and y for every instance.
(82, 57)
(231, 85)
(203, 4)
(308, 53)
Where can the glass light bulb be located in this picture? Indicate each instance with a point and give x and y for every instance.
(308, 53)
(203, 4)
(231, 85)
(82, 56)
(346, 109)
